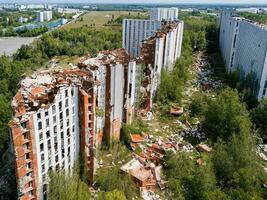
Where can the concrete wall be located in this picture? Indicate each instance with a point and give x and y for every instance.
(163, 14)
(135, 31)
(116, 99)
(251, 48)
(60, 119)
(243, 45)
(228, 32)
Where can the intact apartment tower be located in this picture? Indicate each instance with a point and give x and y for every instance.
(44, 15)
(59, 114)
(160, 14)
(243, 45)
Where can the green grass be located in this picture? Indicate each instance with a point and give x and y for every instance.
(97, 18)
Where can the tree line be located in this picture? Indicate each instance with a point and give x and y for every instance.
(233, 170)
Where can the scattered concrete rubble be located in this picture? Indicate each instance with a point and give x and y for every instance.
(197, 133)
(147, 195)
(175, 110)
(149, 150)
(145, 115)
(261, 151)
(204, 148)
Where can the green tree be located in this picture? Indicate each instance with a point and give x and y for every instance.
(5, 114)
(112, 178)
(226, 115)
(112, 195)
(64, 186)
(259, 118)
(237, 167)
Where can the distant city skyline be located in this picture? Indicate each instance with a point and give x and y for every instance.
(243, 2)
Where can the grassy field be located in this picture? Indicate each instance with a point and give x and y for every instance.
(98, 19)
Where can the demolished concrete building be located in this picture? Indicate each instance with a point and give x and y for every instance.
(143, 175)
(160, 52)
(54, 119)
(118, 80)
(59, 113)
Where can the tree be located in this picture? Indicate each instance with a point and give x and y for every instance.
(202, 183)
(259, 118)
(186, 180)
(199, 104)
(64, 186)
(112, 178)
(237, 168)
(112, 195)
(226, 115)
(5, 114)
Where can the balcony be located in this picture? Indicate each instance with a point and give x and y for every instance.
(27, 151)
(26, 190)
(28, 170)
(24, 130)
(26, 140)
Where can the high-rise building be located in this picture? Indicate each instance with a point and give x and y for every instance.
(60, 113)
(243, 48)
(44, 15)
(158, 52)
(137, 30)
(117, 74)
(160, 14)
(40, 16)
(53, 120)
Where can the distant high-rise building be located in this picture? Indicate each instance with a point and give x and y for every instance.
(35, 6)
(164, 14)
(250, 10)
(44, 16)
(243, 47)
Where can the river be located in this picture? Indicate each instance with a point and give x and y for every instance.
(9, 45)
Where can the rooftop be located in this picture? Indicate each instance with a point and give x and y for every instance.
(39, 90)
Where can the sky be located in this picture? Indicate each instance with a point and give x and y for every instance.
(142, 1)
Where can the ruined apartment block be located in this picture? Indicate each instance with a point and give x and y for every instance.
(118, 85)
(135, 32)
(61, 113)
(159, 52)
(54, 119)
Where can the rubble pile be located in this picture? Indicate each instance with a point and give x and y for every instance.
(196, 133)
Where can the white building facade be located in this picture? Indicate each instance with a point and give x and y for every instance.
(137, 30)
(57, 136)
(243, 46)
(44, 15)
(169, 14)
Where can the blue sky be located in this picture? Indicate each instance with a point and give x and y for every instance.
(141, 1)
